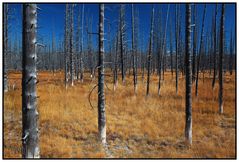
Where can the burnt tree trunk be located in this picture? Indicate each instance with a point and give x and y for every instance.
(133, 51)
(72, 70)
(101, 95)
(188, 95)
(194, 43)
(215, 50)
(5, 46)
(30, 131)
(81, 46)
(150, 50)
(200, 50)
(221, 53)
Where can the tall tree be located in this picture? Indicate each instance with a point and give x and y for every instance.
(5, 45)
(194, 43)
(176, 45)
(71, 45)
(30, 131)
(150, 50)
(221, 53)
(171, 47)
(188, 122)
(77, 46)
(82, 45)
(215, 49)
(134, 49)
(231, 54)
(66, 42)
(200, 49)
(122, 40)
(164, 48)
(116, 61)
(101, 95)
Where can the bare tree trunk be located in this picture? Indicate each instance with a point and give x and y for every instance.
(133, 51)
(66, 43)
(5, 46)
(176, 45)
(101, 95)
(215, 50)
(122, 35)
(71, 45)
(164, 49)
(77, 49)
(82, 48)
(231, 55)
(194, 44)
(188, 122)
(171, 47)
(200, 50)
(150, 50)
(116, 62)
(30, 131)
(221, 53)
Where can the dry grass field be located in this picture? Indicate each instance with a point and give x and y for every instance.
(137, 127)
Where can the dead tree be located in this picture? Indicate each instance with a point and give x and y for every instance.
(164, 48)
(30, 131)
(77, 45)
(53, 53)
(101, 95)
(150, 50)
(133, 50)
(231, 55)
(116, 61)
(221, 53)
(122, 40)
(171, 47)
(81, 46)
(194, 43)
(200, 50)
(188, 122)
(72, 72)
(5, 45)
(89, 46)
(215, 50)
(176, 46)
(66, 42)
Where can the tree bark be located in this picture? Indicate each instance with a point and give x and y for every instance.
(176, 46)
(30, 131)
(72, 70)
(194, 44)
(101, 95)
(215, 50)
(5, 46)
(188, 122)
(200, 50)
(150, 50)
(133, 50)
(221, 53)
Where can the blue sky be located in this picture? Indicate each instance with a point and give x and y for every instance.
(51, 17)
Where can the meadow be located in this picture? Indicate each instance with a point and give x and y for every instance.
(137, 126)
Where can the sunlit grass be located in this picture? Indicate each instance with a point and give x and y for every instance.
(137, 126)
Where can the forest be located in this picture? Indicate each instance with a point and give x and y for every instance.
(114, 80)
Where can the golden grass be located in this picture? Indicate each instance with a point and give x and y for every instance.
(137, 127)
